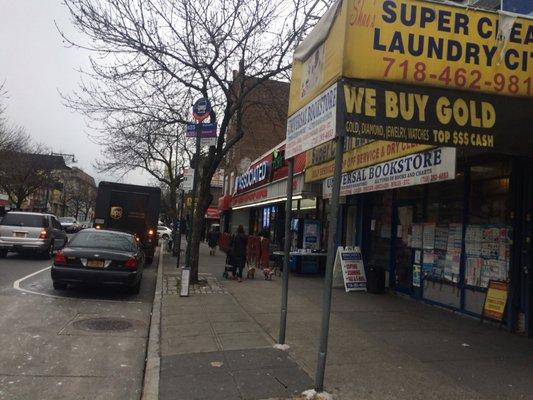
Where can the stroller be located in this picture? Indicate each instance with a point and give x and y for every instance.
(228, 267)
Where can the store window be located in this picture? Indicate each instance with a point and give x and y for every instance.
(378, 253)
(488, 234)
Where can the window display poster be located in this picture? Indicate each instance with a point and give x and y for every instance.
(416, 275)
(429, 235)
(455, 234)
(428, 261)
(416, 236)
(350, 262)
(441, 237)
(495, 300)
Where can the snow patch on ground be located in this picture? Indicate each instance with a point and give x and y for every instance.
(311, 394)
(282, 347)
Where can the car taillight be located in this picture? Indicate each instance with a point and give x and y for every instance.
(60, 258)
(131, 263)
(43, 234)
(150, 232)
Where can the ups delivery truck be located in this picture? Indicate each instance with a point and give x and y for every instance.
(129, 208)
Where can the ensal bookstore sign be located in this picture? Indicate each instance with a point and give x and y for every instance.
(252, 176)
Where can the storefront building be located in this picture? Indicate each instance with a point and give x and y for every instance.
(258, 203)
(440, 196)
(442, 242)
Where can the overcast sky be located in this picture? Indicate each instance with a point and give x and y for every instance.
(35, 65)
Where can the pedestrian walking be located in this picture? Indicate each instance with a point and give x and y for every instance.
(238, 251)
(212, 240)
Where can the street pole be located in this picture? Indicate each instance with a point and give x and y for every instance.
(286, 250)
(177, 245)
(328, 279)
(194, 191)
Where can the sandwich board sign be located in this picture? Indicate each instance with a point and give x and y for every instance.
(349, 266)
(185, 278)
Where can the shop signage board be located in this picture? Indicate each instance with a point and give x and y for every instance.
(363, 156)
(434, 116)
(438, 45)
(312, 125)
(349, 263)
(420, 43)
(416, 169)
(253, 176)
(217, 181)
(495, 300)
(188, 179)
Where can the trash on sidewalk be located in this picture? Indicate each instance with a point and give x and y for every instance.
(312, 394)
(282, 347)
(217, 364)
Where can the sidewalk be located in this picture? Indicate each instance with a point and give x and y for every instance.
(211, 348)
(380, 346)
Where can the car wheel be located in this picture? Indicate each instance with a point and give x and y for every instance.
(49, 253)
(165, 236)
(59, 285)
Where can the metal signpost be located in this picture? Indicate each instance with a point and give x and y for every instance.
(286, 250)
(306, 130)
(201, 111)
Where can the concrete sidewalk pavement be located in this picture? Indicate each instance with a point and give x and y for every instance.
(211, 348)
(380, 346)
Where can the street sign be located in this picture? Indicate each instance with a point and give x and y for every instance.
(188, 179)
(206, 130)
(201, 109)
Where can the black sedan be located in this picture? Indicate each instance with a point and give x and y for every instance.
(99, 256)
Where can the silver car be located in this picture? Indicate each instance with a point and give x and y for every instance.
(31, 232)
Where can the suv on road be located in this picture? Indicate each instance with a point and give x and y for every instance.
(31, 232)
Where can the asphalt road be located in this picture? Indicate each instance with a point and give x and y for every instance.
(82, 343)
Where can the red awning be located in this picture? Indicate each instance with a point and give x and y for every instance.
(212, 213)
(224, 202)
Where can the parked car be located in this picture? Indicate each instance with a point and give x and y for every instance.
(85, 224)
(69, 224)
(164, 232)
(31, 232)
(99, 256)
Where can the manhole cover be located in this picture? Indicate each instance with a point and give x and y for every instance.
(103, 324)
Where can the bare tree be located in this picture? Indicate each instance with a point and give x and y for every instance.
(218, 49)
(23, 174)
(12, 137)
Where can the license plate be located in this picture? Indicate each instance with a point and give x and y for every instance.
(19, 234)
(95, 263)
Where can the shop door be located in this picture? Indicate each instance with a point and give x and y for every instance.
(403, 253)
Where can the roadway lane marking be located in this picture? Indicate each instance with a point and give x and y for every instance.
(16, 286)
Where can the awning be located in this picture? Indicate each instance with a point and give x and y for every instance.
(212, 213)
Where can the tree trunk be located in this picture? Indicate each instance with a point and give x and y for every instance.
(173, 200)
(204, 199)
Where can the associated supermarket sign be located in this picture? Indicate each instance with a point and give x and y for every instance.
(252, 176)
(416, 169)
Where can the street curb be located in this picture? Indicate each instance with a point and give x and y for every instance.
(150, 389)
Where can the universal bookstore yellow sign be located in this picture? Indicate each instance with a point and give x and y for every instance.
(422, 43)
